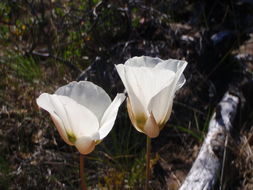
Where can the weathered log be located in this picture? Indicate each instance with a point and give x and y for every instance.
(207, 167)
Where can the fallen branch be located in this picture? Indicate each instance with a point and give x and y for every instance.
(207, 167)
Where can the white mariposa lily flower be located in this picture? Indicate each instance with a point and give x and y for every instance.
(151, 84)
(82, 112)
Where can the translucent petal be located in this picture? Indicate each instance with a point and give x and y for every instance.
(133, 118)
(60, 128)
(83, 122)
(85, 145)
(167, 116)
(180, 78)
(170, 64)
(44, 102)
(110, 115)
(147, 82)
(87, 94)
(51, 104)
(143, 61)
(177, 66)
(180, 82)
(54, 106)
(160, 104)
(137, 106)
(122, 74)
(151, 128)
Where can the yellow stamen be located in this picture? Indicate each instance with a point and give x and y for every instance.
(71, 137)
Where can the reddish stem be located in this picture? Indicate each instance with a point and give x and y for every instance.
(82, 177)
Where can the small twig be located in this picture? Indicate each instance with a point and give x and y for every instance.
(95, 8)
(176, 178)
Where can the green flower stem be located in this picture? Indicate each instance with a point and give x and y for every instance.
(82, 177)
(148, 150)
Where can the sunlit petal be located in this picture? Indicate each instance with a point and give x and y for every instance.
(143, 61)
(159, 104)
(147, 82)
(60, 128)
(85, 145)
(170, 64)
(83, 122)
(110, 115)
(177, 66)
(151, 128)
(87, 94)
(138, 120)
(44, 102)
(137, 106)
(54, 106)
(180, 79)
(167, 116)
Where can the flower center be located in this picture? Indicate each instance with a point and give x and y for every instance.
(71, 137)
(140, 120)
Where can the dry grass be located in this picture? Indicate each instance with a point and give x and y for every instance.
(244, 161)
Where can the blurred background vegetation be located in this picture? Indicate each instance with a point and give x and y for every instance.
(47, 43)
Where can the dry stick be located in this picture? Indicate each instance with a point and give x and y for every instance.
(83, 185)
(148, 147)
(207, 166)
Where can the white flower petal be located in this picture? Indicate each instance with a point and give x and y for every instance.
(85, 145)
(76, 119)
(87, 94)
(83, 122)
(147, 82)
(137, 106)
(170, 64)
(48, 103)
(122, 74)
(138, 120)
(167, 116)
(110, 115)
(180, 82)
(44, 102)
(143, 61)
(54, 105)
(60, 128)
(177, 66)
(151, 128)
(160, 103)
(96, 136)
(180, 78)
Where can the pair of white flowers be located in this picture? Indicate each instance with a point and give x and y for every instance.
(84, 114)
